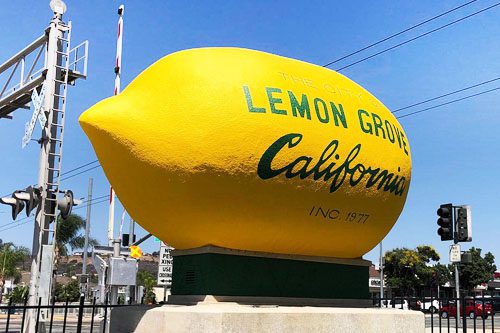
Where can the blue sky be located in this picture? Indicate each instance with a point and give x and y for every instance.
(455, 148)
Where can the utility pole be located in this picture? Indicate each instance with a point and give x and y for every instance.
(381, 266)
(85, 279)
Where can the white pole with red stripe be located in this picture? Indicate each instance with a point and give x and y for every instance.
(118, 71)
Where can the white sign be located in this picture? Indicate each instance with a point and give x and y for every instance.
(165, 265)
(455, 254)
(38, 113)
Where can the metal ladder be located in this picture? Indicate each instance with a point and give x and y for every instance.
(56, 123)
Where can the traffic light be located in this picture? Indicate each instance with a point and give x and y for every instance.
(29, 198)
(445, 221)
(464, 224)
(16, 204)
(65, 205)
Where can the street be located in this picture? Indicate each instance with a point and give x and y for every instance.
(57, 326)
(437, 322)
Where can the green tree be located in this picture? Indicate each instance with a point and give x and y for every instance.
(146, 279)
(443, 273)
(479, 271)
(19, 294)
(407, 269)
(69, 292)
(71, 233)
(10, 257)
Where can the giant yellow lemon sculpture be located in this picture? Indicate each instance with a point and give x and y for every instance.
(252, 151)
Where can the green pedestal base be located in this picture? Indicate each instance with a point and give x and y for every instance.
(214, 271)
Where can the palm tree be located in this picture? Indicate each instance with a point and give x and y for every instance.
(69, 235)
(10, 257)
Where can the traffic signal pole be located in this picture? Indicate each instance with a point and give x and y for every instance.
(457, 278)
(455, 223)
(457, 289)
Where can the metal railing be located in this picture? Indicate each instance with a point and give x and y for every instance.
(477, 314)
(63, 317)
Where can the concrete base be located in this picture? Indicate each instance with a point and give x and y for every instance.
(237, 318)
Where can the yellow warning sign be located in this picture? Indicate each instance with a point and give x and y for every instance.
(135, 252)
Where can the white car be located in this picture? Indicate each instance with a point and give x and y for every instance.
(398, 304)
(427, 306)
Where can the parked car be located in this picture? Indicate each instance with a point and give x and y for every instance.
(473, 308)
(427, 306)
(414, 304)
(493, 301)
(396, 303)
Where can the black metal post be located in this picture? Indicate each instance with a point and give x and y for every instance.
(142, 239)
(24, 313)
(52, 314)
(492, 317)
(464, 315)
(65, 315)
(439, 314)
(38, 313)
(432, 315)
(80, 315)
(92, 318)
(8, 315)
(105, 312)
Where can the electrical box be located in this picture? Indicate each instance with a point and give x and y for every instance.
(122, 272)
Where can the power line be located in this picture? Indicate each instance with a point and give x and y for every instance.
(398, 33)
(70, 171)
(418, 37)
(93, 203)
(447, 94)
(79, 167)
(97, 198)
(450, 102)
(79, 173)
(17, 223)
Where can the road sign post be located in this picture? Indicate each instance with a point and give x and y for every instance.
(165, 265)
(455, 254)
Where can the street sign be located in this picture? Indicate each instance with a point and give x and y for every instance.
(165, 265)
(455, 254)
(37, 114)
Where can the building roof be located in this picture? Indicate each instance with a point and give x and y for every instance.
(374, 273)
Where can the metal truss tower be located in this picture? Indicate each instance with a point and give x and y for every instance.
(26, 78)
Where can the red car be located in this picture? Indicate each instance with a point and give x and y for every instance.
(472, 309)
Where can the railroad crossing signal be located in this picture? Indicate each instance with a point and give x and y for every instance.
(38, 113)
(445, 222)
(30, 198)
